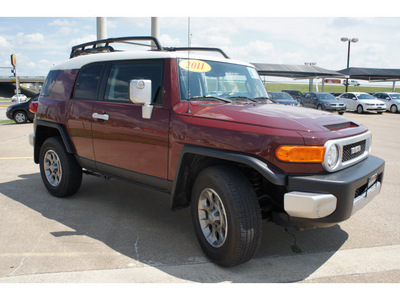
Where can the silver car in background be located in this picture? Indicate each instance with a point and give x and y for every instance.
(362, 102)
(392, 100)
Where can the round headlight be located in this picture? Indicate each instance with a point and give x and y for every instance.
(332, 156)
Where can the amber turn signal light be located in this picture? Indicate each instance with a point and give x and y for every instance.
(301, 154)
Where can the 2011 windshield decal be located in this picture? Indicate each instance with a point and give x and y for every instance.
(195, 65)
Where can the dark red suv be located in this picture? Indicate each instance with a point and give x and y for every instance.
(203, 130)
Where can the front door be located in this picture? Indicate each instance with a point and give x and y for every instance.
(124, 143)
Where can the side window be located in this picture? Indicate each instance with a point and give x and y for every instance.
(49, 83)
(88, 82)
(122, 73)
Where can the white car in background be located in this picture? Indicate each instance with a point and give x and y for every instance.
(361, 102)
(21, 97)
(392, 101)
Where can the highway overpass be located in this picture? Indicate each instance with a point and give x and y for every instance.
(7, 85)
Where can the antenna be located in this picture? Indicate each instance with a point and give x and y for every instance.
(188, 71)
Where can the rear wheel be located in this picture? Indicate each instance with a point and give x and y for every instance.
(360, 109)
(226, 215)
(61, 173)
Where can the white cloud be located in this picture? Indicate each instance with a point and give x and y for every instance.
(65, 26)
(4, 44)
(26, 39)
(64, 22)
(84, 39)
(168, 41)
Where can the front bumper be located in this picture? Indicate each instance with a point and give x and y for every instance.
(335, 109)
(9, 114)
(327, 199)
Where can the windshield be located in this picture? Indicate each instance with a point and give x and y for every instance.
(280, 96)
(326, 96)
(203, 79)
(365, 96)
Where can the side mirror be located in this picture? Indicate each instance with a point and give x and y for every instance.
(140, 93)
(387, 98)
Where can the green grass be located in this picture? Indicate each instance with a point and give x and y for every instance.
(6, 121)
(277, 87)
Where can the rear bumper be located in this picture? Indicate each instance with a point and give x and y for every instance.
(327, 199)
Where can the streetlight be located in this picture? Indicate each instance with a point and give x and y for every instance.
(352, 40)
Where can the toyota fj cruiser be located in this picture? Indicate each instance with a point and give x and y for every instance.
(203, 130)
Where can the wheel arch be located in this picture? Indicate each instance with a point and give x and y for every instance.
(46, 129)
(193, 159)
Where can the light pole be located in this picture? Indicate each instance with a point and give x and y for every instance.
(352, 40)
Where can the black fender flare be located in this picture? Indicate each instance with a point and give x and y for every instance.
(271, 173)
(62, 131)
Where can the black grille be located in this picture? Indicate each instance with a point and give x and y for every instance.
(352, 151)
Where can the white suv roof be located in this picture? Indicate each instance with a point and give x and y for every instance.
(80, 61)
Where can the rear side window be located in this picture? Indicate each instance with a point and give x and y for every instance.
(122, 73)
(49, 83)
(88, 82)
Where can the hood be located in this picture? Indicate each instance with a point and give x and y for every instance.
(19, 105)
(288, 102)
(333, 101)
(273, 116)
(372, 101)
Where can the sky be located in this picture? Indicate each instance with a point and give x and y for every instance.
(40, 40)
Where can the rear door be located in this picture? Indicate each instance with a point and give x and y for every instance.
(124, 143)
(80, 110)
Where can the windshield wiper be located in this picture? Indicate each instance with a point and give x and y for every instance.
(242, 97)
(209, 98)
(264, 98)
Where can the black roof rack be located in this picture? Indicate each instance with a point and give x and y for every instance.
(196, 49)
(102, 46)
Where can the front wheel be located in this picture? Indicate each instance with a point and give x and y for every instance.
(226, 215)
(61, 173)
(393, 109)
(20, 117)
(360, 109)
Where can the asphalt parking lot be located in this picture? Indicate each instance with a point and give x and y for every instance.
(113, 231)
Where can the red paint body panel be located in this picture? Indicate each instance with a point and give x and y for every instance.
(130, 142)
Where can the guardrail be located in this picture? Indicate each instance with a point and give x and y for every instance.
(23, 79)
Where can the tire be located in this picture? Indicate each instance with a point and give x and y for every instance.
(393, 109)
(226, 215)
(61, 173)
(341, 112)
(20, 117)
(360, 109)
(319, 107)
